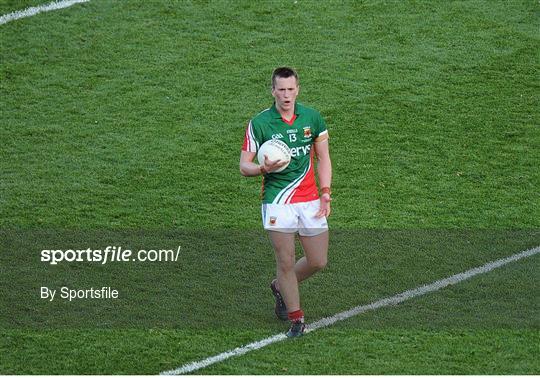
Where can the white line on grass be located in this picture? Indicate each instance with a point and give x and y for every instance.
(32, 11)
(325, 322)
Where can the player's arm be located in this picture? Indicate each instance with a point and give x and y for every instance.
(249, 151)
(324, 173)
(249, 168)
(324, 164)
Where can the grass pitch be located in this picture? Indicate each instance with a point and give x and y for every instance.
(124, 120)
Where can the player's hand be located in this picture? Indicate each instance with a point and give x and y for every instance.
(324, 208)
(271, 165)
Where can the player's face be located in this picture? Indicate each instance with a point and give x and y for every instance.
(285, 91)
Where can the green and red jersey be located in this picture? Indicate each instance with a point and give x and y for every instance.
(296, 183)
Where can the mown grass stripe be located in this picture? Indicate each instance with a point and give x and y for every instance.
(325, 322)
(32, 11)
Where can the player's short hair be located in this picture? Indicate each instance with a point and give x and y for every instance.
(284, 72)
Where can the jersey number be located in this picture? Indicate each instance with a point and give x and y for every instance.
(292, 138)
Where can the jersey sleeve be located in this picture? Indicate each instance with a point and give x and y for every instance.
(251, 139)
(321, 132)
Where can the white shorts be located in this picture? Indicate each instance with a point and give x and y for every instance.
(294, 217)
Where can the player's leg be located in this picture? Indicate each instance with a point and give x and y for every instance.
(315, 255)
(281, 222)
(284, 248)
(313, 233)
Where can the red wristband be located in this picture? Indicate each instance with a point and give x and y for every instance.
(326, 190)
(263, 171)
